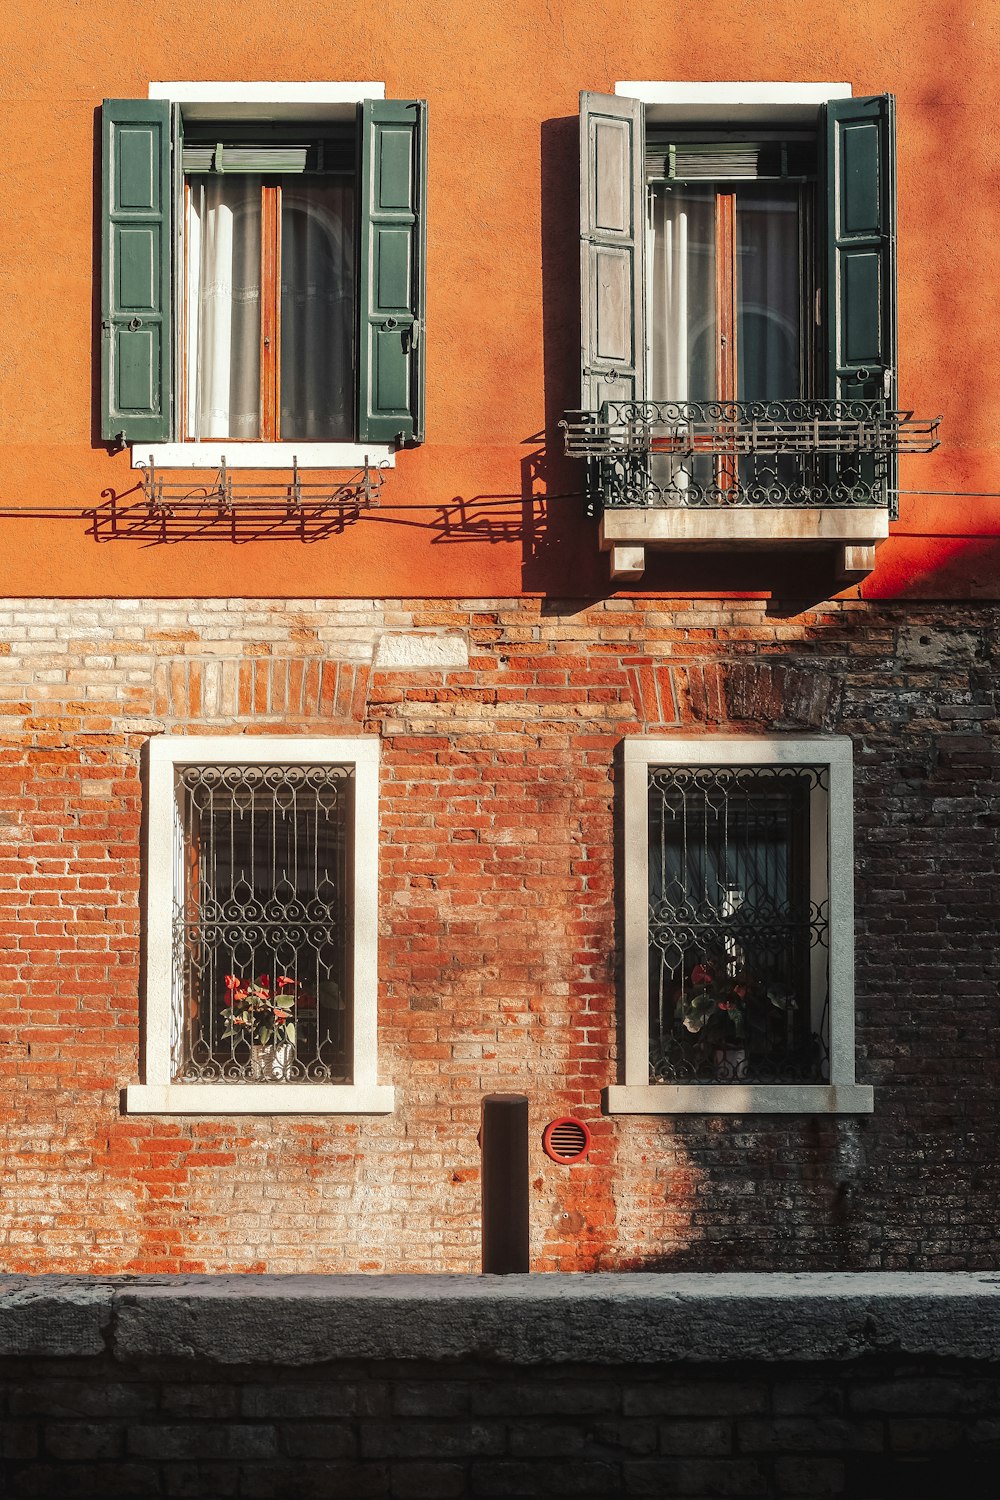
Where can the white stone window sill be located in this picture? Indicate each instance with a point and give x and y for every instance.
(262, 455)
(259, 1099)
(737, 1099)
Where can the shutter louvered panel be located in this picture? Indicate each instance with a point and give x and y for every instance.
(861, 248)
(233, 159)
(697, 161)
(136, 340)
(391, 300)
(612, 244)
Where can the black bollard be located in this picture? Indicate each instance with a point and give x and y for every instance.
(504, 1143)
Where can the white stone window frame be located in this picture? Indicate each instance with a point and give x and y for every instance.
(305, 102)
(157, 1094)
(842, 1094)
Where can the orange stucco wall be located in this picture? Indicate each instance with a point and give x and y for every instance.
(487, 506)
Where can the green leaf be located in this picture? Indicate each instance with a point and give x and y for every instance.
(290, 1032)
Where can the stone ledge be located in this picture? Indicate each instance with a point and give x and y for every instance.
(587, 1319)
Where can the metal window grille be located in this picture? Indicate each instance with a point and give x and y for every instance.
(262, 923)
(738, 924)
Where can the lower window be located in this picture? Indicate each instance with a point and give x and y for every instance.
(261, 982)
(739, 927)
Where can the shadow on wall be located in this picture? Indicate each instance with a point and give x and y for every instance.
(713, 1193)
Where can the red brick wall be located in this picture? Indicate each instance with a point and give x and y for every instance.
(500, 935)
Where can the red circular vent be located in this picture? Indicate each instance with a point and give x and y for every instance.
(566, 1140)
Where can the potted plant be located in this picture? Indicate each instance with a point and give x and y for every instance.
(265, 1019)
(723, 1004)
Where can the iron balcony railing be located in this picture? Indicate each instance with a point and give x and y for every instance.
(757, 453)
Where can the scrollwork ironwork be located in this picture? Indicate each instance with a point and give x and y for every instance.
(738, 924)
(793, 453)
(265, 856)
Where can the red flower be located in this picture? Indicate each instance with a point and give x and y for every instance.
(702, 974)
(284, 982)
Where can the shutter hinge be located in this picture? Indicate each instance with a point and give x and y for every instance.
(107, 326)
(819, 307)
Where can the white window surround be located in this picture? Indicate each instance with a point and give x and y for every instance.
(157, 1094)
(264, 101)
(209, 455)
(735, 103)
(842, 1095)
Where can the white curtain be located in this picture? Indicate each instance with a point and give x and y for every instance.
(223, 307)
(681, 301)
(681, 257)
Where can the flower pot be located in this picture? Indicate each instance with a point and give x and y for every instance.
(273, 1060)
(730, 1063)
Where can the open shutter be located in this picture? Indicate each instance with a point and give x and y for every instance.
(860, 173)
(136, 340)
(392, 275)
(612, 241)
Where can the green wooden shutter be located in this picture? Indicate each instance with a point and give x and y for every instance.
(136, 338)
(612, 243)
(391, 273)
(860, 176)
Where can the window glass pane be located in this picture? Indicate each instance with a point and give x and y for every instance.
(317, 309)
(262, 931)
(223, 299)
(734, 926)
(768, 292)
(682, 294)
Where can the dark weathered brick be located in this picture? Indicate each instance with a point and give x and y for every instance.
(708, 1436)
(83, 1440)
(319, 1440)
(414, 1438)
(695, 1398)
(807, 1435)
(695, 1476)
(314, 1481)
(431, 1398)
(808, 1477)
(243, 1441)
(428, 1481)
(570, 1477)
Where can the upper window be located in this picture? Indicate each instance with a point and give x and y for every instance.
(738, 319)
(260, 967)
(739, 927)
(741, 261)
(263, 278)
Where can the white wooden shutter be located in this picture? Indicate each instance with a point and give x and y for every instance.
(612, 242)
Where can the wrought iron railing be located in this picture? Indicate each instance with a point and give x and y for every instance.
(793, 453)
(261, 924)
(738, 925)
(234, 505)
